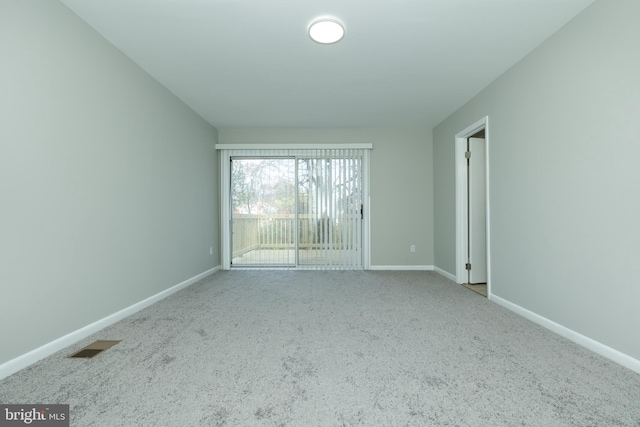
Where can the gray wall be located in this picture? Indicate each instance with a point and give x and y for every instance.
(564, 177)
(107, 181)
(401, 184)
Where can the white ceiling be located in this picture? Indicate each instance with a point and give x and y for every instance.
(250, 63)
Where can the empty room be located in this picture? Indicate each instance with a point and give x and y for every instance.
(239, 213)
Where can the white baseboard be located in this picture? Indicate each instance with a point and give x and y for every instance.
(445, 273)
(21, 362)
(402, 267)
(595, 346)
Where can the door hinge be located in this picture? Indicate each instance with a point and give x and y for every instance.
(467, 266)
(361, 211)
(467, 154)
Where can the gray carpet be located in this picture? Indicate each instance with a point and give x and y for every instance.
(295, 348)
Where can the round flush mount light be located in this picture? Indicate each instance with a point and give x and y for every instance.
(326, 31)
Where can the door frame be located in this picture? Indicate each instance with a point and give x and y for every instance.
(225, 191)
(462, 241)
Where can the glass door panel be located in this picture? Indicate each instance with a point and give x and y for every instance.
(329, 211)
(263, 212)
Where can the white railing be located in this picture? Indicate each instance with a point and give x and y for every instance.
(260, 232)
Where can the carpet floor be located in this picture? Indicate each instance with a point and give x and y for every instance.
(302, 348)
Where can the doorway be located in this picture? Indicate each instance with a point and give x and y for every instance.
(476, 210)
(472, 207)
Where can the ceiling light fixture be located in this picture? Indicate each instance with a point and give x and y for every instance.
(326, 31)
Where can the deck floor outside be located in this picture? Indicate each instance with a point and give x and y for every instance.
(287, 258)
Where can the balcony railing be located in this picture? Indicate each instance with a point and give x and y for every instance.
(278, 232)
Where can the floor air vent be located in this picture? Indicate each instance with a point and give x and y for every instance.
(94, 349)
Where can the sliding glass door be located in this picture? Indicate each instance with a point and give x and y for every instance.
(304, 210)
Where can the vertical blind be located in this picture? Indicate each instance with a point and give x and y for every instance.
(296, 208)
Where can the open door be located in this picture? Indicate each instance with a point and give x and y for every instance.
(473, 257)
(477, 208)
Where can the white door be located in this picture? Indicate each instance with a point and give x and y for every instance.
(477, 220)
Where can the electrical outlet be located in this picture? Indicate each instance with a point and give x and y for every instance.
(211, 250)
(413, 248)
